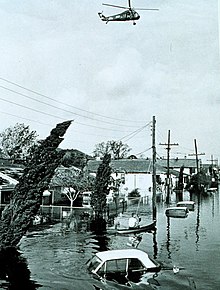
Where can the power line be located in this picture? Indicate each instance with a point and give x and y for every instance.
(51, 115)
(144, 151)
(35, 110)
(53, 106)
(59, 102)
(134, 133)
(27, 119)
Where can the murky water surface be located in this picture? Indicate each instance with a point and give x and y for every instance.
(58, 261)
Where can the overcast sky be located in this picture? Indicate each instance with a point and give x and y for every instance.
(113, 78)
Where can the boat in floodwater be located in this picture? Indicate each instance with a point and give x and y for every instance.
(145, 228)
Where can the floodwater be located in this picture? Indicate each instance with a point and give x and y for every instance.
(57, 261)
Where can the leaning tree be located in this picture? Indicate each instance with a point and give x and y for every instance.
(25, 202)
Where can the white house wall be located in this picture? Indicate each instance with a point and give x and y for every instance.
(143, 182)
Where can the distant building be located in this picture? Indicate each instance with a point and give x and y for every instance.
(137, 173)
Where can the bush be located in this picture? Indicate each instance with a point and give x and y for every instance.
(134, 193)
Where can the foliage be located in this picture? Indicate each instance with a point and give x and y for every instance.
(180, 185)
(102, 186)
(198, 181)
(134, 193)
(27, 197)
(73, 157)
(116, 149)
(15, 142)
(73, 181)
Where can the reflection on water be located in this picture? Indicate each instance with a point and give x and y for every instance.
(191, 244)
(155, 247)
(14, 272)
(168, 238)
(197, 222)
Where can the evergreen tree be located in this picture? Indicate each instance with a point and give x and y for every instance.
(101, 188)
(27, 196)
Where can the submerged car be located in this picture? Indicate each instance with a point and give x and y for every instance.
(177, 212)
(126, 266)
(187, 203)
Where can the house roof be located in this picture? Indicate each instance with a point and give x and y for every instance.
(143, 165)
(124, 165)
(178, 162)
(9, 179)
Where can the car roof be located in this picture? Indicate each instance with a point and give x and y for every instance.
(186, 202)
(125, 254)
(178, 208)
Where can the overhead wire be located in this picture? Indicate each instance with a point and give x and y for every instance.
(134, 132)
(128, 136)
(144, 151)
(54, 116)
(63, 103)
(27, 119)
(64, 110)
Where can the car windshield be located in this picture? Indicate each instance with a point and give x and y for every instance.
(93, 263)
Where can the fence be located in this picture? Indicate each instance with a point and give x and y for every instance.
(57, 212)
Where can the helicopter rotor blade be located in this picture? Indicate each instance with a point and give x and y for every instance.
(122, 7)
(154, 9)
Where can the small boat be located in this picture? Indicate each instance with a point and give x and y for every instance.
(177, 211)
(140, 229)
(187, 203)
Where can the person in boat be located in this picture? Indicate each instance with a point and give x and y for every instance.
(133, 221)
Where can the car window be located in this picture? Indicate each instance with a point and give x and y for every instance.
(93, 263)
(135, 264)
(114, 266)
(101, 270)
(121, 265)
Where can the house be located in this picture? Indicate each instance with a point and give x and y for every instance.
(60, 186)
(137, 173)
(7, 185)
(190, 167)
(9, 176)
(134, 174)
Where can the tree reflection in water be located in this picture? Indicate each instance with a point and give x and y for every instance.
(98, 228)
(168, 238)
(14, 272)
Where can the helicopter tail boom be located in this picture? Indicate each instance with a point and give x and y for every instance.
(103, 17)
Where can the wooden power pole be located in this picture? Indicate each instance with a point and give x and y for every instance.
(214, 161)
(168, 144)
(197, 162)
(154, 170)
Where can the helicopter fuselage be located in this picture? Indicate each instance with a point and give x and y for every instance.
(127, 15)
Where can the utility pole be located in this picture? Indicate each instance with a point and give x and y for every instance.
(154, 210)
(168, 144)
(213, 160)
(196, 154)
(197, 162)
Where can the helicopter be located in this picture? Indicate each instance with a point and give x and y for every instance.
(130, 14)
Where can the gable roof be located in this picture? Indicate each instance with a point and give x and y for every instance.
(142, 165)
(178, 162)
(124, 165)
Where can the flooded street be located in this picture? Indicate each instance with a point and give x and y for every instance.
(192, 244)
